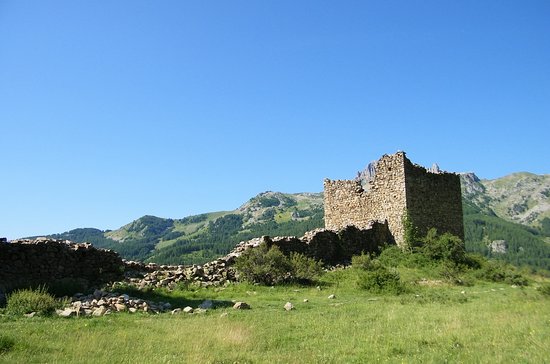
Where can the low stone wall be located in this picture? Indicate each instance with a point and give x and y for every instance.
(45, 261)
(336, 247)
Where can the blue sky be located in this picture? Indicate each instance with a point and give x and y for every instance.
(110, 110)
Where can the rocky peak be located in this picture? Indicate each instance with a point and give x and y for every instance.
(434, 169)
(471, 184)
(366, 175)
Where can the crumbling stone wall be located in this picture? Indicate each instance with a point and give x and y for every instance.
(434, 200)
(44, 261)
(332, 247)
(335, 247)
(398, 187)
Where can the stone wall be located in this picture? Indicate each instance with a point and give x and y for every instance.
(335, 247)
(44, 261)
(434, 200)
(383, 199)
(398, 187)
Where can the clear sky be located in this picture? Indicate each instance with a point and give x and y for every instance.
(110, 110)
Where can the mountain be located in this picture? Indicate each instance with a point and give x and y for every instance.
(523, 198)
(506, 218)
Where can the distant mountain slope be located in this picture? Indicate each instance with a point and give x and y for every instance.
(520, 197)
(493, 211)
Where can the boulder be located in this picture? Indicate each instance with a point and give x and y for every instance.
(241, 306)
(120, 307)
(68, 312)
(100, 311)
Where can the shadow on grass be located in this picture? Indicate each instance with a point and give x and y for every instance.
(176, 299)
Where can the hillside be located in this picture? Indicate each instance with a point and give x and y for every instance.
(523, 198)
(507, 218)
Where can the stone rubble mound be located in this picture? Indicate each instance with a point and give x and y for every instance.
(215, 273)
(102, 303)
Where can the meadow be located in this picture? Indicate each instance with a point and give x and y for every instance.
(433, 322)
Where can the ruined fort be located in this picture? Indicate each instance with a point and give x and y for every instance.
(393, 190)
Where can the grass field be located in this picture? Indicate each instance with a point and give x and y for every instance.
(439, 323)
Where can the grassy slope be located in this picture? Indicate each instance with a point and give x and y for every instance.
(486, 323)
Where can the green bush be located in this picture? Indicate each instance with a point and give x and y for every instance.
(380, 280)
(304, 269)
(373, 276)
(364, 262)
(443, 247)
(264, 265)
(454, 273)
(270, 266)
(392, 256)
(28, 300)
(497, 271)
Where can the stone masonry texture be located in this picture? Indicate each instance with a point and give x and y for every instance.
(432, 200)
(44, 261)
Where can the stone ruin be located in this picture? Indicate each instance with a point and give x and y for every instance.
(360, 217)
(389, 190)
(45, 261)
(332, 247)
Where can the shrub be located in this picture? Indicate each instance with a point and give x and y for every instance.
(474, 261)
(392, 256)
(28, 300)
(264, 265)
(304, 269)
(380, 280)
(270, 266)
(364, 262)
(444, 247)
(373, 276)
(496, 271)
(453, 273)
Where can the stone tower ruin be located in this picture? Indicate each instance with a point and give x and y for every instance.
(394, 188)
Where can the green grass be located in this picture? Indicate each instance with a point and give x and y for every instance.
(442, 323)
(283, 217)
